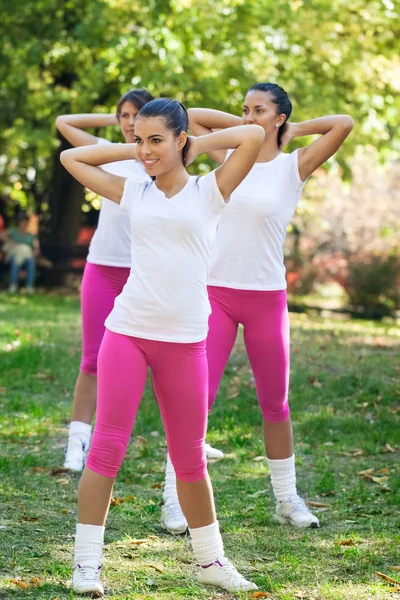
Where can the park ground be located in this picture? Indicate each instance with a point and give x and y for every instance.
(345, 399)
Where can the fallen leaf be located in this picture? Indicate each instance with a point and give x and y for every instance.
(59, 471)
(130, 498)
(39, 469)
(35, 581)
(384, 471)
(317, 504)
(259, 595)
(117, 501)
(347, 543)
(131, 556)
(379, 479)
(301, 595)
(20, 583)
(258, 459)
(157, 486)
(3, 390)
(353, 453)
(257, 494)
(155, 568)
(30, 518)
(387, 578)
(387, 448)
(138, 542)
(395, 568)
(366, 473)
(64, 511)
(44, 376)
(317, 384)
(63, 481)
(140, 440)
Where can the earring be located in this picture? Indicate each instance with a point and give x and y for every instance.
(277, 125)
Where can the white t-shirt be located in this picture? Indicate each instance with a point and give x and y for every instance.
(111, 243)
(165, 297)
(248, 251)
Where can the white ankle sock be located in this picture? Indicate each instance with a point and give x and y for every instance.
(170, 494)
(207, 544)
(80, 430)
(88, 544)
(283, 478)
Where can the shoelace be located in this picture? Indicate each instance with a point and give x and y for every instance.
(299, 504)
(174, 509)
(89, 573)
(232, 572)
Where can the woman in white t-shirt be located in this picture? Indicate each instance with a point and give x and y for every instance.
(160, 320)
(247, 282)
(107, 267)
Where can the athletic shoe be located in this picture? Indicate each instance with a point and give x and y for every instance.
(173, 519)
(30, 290)
(12, 288)
(86, 580)
(75, 454)
(224, 575)
(295, 512)
(213, 452)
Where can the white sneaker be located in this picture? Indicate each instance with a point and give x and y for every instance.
(295, 512)
(86, 580)
(213, 452)
(173, 519)
(75, 454)
(12, 288)
(223, 574)
(30, 290)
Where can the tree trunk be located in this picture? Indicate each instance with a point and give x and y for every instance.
(58, 240)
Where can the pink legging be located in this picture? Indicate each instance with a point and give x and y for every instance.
(180, 380)
(265, 321)
(100, 286)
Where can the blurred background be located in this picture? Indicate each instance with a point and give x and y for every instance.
(331, 56)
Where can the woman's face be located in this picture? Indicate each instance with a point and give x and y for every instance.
(126, 121)
(157, 147)
(259, 109)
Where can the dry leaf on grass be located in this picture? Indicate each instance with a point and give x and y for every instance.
(387, 448)
(353, 453)
(258, 459)
(63, 481)
(155, 568)
(30, 518)
(3, 390)
(117, 501)
(138, 542)
(366, 473)
(131, 556)
(302, 595)
(59, 471)
(158, 486)
(395, 568)
(20, 583)
(379, 479)
(259, 595)
(35, 581)
(347, 543)
(257, 494)
(313, 504)
(387, 578)
(384, 471)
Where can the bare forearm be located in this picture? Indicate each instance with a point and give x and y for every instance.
(99, 154)
(86, 121)
(227, 139)
(322, 125)
(213, 119)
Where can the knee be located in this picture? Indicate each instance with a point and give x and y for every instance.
(107, 451)
(276, 415)
(191, 466)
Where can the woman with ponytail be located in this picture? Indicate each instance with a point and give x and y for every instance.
(160, 321)
(247, 283)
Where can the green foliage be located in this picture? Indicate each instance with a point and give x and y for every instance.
(78, 56)
(373, 284)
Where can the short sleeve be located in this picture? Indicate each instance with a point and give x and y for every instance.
(293, 172)
(133, 189)
(208, 185)
(102, 141)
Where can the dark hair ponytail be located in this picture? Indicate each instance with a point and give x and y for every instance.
(137, 97)
(174, 114)
(280, 98)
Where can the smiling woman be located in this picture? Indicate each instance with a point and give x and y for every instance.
(160, 321)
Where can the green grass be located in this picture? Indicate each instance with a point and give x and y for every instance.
(345, 396)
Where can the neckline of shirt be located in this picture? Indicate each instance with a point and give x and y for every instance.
(175, 195)
(269, 162)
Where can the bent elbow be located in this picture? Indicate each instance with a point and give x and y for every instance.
(348, 123)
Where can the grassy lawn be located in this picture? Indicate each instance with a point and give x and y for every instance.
(345, 399)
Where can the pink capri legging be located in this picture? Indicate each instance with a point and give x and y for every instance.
(100, 286)
(265, 321)
(180, 380)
